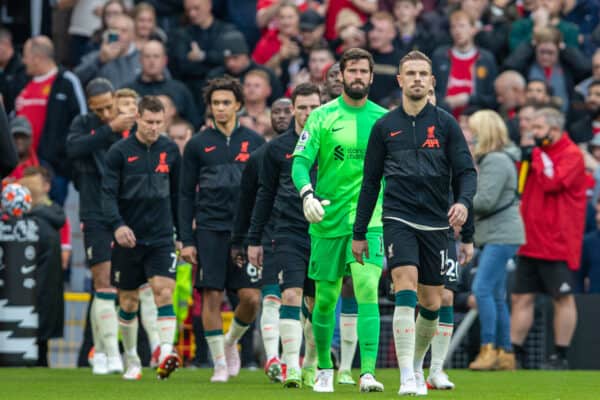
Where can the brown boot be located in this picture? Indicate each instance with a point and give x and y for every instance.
(506, 361)
(486, 359)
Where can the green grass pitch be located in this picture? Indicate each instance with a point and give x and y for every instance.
(78, 384)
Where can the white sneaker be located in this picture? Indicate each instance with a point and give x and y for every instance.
(134, 369)
(220, 374)
(421, 386)
(100, 364)
(115, 365)
(369, 384)
(324, 381)
(232, 356)
(439, 380)
(408, 387)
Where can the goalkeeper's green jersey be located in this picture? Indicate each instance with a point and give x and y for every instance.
(336, 136)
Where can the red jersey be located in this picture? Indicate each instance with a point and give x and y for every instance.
(32, 103)
(260, 4)
(31, 161)
(461, 78)
(554, 203)
(595, 128)
(268, 45)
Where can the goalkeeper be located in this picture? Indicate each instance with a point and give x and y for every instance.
(336, 136)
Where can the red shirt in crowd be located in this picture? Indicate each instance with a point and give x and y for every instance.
(268, 45)
(461, 78)
(335, 6)
(554, 203)
(31, 161)
(32, 103)
(65, 235)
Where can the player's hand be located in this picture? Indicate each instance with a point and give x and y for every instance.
(238, 255)
(255, 256)
(122, 122)
(457, 215)
(312, 207)
(189, 254)
(125, 237)
(471, 302)
(465, 253)
(360, 247)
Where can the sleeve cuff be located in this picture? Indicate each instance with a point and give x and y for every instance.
(360, 236)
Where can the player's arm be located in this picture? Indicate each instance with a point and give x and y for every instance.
(369, 191)
(187, 197)
(111, 182)
(556, 176)
(464, 175)
(174, 181)
(267, 190)
(81, 142)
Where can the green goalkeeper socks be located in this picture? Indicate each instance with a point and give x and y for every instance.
(323, 319)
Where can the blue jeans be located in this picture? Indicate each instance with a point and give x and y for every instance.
(489, 288)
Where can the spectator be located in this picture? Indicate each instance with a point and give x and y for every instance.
(548, 60)
(361, 8)
(333, 83)
(584, 130)
(12, 71)
(168, 13)
(256, 92)
(499, 230)
(280, 44)
(526, 114)
(546, 14)
(586, 15)
(510, 96)
(20, 130)
(238, 63)
(582, 87)
(556, 182)
(126, 101)
(312, 27)
(464, 73)
(411, 35)
(180, 131)
(144, 18)
(153, 81)
(539, 91)
(9, 159)
(348, 28)
(195, 49)
(85, 22)
(50, 101)
(170, 110)
(589, 273)
(319, 59)
(117, 60)
(381, 45)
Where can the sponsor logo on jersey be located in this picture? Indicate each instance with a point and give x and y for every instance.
(348, 153)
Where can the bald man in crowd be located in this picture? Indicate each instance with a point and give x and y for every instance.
(510, 87)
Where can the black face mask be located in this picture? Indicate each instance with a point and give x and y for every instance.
(543, 141)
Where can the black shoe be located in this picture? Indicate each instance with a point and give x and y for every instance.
(554, 362)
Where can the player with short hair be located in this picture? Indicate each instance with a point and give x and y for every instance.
(421, 152)
(335, 135)
(213, 162)
(142, 182)
(89, 138)
(278, 196)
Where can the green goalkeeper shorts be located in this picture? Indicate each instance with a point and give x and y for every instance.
(330, 258)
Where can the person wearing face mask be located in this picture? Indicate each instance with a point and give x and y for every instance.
(553, 209)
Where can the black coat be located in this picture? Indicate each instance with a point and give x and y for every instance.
(12, 80)
(9, 159)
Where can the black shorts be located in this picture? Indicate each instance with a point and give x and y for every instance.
(215, 268)
(452, 275)
(426, 250)
(542, 276)
(270, 272)
(291, 257)
(133, 267)
(97, 239)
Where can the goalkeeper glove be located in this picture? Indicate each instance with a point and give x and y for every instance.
(312, 207)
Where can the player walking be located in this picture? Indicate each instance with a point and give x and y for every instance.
(420, 151)
(139, 197)
(336, 135)
(212, 168)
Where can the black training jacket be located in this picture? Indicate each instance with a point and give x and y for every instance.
(277, 193)
(246, 202)
(211, 176)
(87, 144)
(140, 188)
(420, 157)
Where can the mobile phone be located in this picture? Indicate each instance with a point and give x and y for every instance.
(112, 37)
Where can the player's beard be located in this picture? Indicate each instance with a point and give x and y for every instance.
(415, 96)
(357, 93)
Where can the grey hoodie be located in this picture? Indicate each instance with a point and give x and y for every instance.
(496, 187)
(119, 71)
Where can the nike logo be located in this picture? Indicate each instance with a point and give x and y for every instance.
(336, 129)
(392, 134)
(132, 158)
(27, 269)
(288, 156)
(209, 149)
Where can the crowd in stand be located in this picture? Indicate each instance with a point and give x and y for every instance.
(510, 59)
